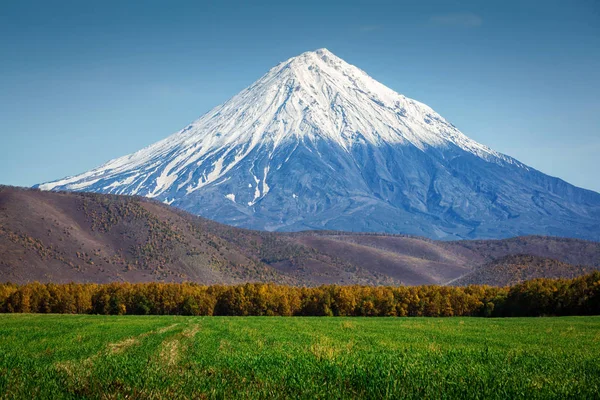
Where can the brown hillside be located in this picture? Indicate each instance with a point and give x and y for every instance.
(84, 237)
(514, 269)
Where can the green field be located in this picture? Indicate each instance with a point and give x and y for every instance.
(75, 356)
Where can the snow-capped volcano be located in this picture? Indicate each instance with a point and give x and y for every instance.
(318, 144)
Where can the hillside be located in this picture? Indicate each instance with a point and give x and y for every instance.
(88, 237)
(85, 237)
(513, 269)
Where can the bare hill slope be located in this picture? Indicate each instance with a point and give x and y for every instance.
(87, 237)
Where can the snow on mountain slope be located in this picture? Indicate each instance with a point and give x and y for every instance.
(317, 143)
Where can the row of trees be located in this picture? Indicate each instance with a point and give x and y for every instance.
(579, 296)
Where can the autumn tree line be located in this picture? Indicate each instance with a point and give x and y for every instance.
(538, 297)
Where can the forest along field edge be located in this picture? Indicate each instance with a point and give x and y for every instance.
(537, 297)
(84, 356)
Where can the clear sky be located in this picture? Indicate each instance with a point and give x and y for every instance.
(82, 82)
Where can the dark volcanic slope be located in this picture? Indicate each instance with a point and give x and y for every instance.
(84, 237)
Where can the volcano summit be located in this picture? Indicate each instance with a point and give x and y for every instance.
(318, 144)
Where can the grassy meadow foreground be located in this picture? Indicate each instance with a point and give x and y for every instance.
(85, 356)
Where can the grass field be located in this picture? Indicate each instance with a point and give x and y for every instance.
(75, 356)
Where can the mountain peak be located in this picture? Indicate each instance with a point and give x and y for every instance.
(322, 52)
(316, 58)
(318, 143)
(326, 55)
(313, 97)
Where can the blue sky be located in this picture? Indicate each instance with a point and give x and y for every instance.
(82, 82)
